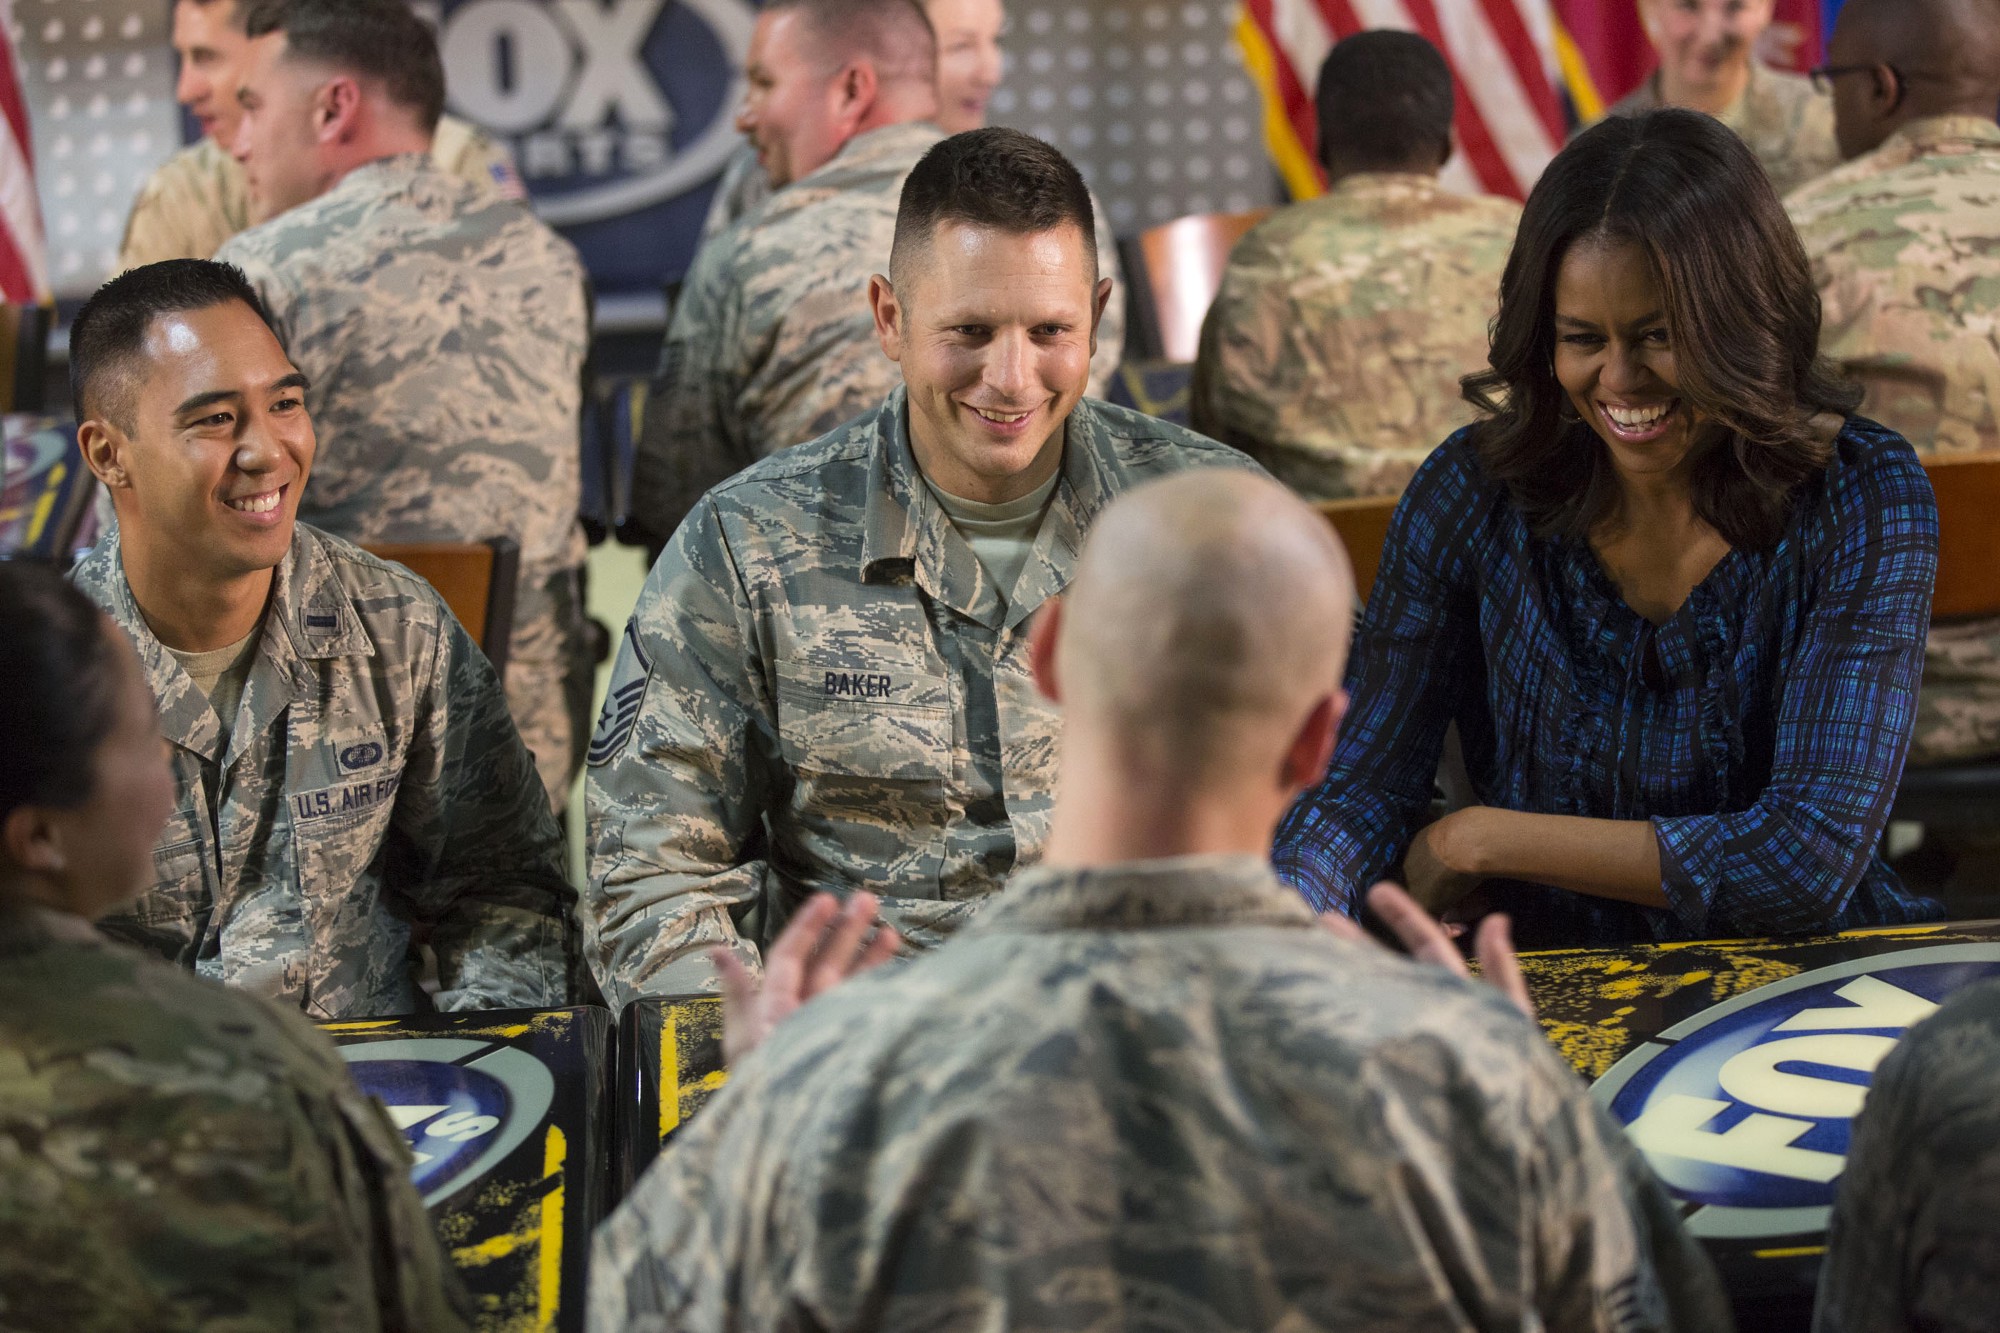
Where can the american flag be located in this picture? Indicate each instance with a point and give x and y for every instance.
(1514, 64)
(24, 268)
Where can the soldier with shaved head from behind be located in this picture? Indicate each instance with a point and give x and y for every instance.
(1147, 1087)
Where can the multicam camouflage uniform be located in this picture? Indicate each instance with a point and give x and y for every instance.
(372, 785)
(198, 198)
(175, 1157)
(1334, 347)
(1787, 125)
(444, 332)
(1154, 1094)
(821, 688)
(1913, 1243)
(744, 187)
(1905, 248)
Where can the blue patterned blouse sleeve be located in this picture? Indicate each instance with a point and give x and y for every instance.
(1409, 661)
(1791, 861)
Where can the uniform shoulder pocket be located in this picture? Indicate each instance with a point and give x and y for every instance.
(879, 721)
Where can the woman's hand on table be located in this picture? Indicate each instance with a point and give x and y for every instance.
(1424, 938)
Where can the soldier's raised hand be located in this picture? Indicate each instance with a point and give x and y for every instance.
(823, 945)
(1425, 939)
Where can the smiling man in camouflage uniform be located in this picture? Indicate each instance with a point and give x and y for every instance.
(1905, 247)
(1333, 350)
(443, 330)
(770, 343)
(825, 682)
(348, 784)
(1145, 1089)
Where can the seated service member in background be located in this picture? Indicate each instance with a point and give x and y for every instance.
(1333, 350)
(1914, 1243)
(825, 682)
(770, 343)
(178, 1154)
(1905, 247)
(1674, 599)
(442, 330)
(345, 771)
(197, 199)
(1708, 62)
(969, 66)
(1146, 1071)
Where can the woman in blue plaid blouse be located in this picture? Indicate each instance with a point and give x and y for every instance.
(1673, 593)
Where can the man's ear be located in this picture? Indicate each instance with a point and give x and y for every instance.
(1885, 91)
(888, 316)
(1306, 758)
(103, 446)
(855, 90)
(337, 110)
(1099, 301)
(32, 841)
(1042, 636)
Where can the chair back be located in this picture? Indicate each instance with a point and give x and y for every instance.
(1362, 526)
(1968, 501)
(45, 490)
(475, 579)
(24, 356)
(1183, 262)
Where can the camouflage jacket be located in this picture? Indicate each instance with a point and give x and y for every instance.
(1905, 249)
(198, 198)
(373, 785)
(772, 342)
(1912, 1243)
(443, 330)
(179, 1157)
(821, 688)
(1787, 125)
(1154, 1094)
(1334, 347)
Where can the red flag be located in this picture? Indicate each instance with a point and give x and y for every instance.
(24, 269)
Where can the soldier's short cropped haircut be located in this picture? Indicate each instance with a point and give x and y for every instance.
(1385, 103)
(375, 39)
(992, 177)
(108, 336)
(895, 35)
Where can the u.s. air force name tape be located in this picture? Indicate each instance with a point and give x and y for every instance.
(1745, 1110)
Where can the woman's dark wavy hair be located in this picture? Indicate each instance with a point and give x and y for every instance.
(58, 689)
(1741, 311)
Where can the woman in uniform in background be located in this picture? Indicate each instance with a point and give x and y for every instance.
(1673, 594)
(173, 1154)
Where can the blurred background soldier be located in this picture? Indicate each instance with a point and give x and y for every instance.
(1333, 350)
(771, 343)
(178, 1155)
(969, 66)
(442, 330)
(1708, 62)
(1145, 1079)
(1905, 247)
(197, 199)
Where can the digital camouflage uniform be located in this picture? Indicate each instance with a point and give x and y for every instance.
(1788, 126)
(1905, 249)
(1334, 347)
(198, 198)
(1913, 1244)
(772, 342)
(744, 187)
(1155, 1095)
(821, 688)
(175, 1157)
(444, 331)
(373, 785)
